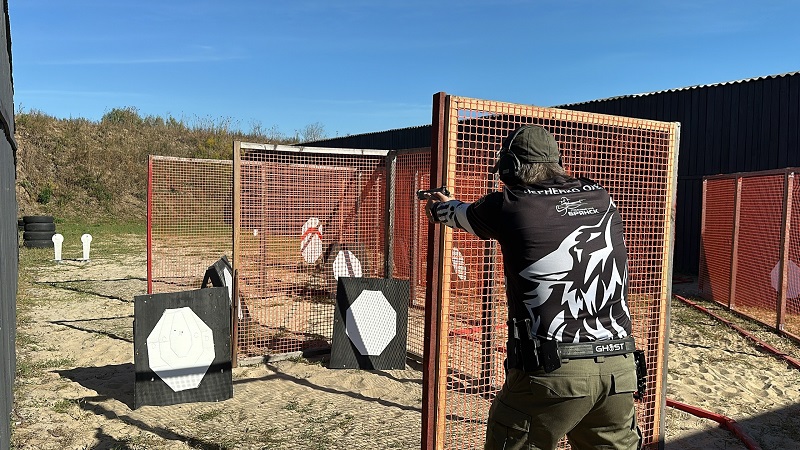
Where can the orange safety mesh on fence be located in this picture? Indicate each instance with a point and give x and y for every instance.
(789, 317)
(751, 246)
(757, 254)
(189, 220)
(636, 161)
(305, 217)
(303, 220)
(410, 236)
(717, 230)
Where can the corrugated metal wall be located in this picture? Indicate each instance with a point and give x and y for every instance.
(741, 126)
(9, 248)
(399, 139)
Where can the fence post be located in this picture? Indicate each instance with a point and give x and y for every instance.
(150, 224)
(388, 246)
(788, 186)
(237, 222)
(432, 398)
(735, 243)
(703, 273)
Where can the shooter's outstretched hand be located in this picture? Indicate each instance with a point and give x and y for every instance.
(434, 200)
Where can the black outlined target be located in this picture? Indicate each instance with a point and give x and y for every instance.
(182, 349)
(370, 324)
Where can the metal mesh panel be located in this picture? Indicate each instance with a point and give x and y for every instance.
(758, 247)
(635, 161)
(717, 236)
(412, 173)
(757, 236)
(189, 220)
(791, 317)
(304, 219)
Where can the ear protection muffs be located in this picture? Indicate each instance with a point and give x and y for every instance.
(508, 164)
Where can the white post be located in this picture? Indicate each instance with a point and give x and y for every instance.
(57, 241)
(86, 239)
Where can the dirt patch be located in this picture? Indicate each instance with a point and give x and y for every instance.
(75, 381)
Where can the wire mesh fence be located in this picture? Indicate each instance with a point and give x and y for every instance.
(302, 220)
(410, 238)
(292, 220)
(750, 249)
(717, 225)
(634, 159)
(189, 220)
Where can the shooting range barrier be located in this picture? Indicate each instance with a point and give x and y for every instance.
(750, 236)
(293, 219)
(189, 220)
(636, 160)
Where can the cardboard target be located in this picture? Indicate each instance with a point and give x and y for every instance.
(346, 264)
(311, 240)
(459, 266)
(370, 324)
(220, 274)
(182, 350)
(792, 279)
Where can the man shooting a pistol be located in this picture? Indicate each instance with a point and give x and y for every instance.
(570, 363)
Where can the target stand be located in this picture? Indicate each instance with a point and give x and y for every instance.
(182, 347)
(220, 274)
(370, 324)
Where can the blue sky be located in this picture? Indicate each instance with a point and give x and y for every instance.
(357, 66)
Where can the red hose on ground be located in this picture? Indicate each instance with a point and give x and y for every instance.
(727, 422)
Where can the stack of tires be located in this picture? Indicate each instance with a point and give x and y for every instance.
(38, 231)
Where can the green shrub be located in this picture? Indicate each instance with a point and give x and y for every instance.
(45, 195)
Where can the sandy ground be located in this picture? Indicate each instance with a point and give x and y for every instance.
(75, 383)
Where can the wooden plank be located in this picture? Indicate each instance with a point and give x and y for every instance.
(315, 150)
(557, 114)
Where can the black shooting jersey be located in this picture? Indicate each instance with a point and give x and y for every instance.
(564, 257)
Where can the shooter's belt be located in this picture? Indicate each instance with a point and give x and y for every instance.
(528, 352)
(611, 347)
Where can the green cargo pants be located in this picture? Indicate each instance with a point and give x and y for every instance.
(588, 400)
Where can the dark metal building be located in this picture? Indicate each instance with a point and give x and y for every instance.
(737, 126)
(9, 247)
(397, 139)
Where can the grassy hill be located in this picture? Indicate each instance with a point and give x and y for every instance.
(76, 169)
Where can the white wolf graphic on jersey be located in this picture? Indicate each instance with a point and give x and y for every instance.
(584, 276)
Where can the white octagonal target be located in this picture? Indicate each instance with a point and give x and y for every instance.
(180, 348)
(371, 322)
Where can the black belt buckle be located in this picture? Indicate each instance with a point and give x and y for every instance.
(549, 356)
